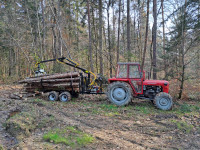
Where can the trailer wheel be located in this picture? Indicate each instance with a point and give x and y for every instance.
(65, 96)
(53, 96)
(163, 101)
(119, 93)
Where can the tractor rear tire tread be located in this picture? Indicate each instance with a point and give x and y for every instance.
(125, 85)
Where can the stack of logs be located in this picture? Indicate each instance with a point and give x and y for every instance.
(56, 82)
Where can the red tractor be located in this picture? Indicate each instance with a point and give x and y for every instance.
(130, 82)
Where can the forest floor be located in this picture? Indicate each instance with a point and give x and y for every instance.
(91, 122)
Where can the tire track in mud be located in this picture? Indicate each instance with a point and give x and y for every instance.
(6, 139)
(101, 133)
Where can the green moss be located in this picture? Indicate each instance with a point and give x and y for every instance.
(1, 147)
(70, 136)
(142, 109)
(183, 126)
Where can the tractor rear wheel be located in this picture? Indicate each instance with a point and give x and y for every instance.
(163, 101)
(119, 93)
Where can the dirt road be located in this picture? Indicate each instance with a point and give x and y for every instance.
(23, 124)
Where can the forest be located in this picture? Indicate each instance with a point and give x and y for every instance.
(66, 108)
(163, 36)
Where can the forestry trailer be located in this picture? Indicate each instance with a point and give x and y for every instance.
(128, 83)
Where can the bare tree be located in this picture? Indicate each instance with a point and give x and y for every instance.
(146, 35)
(90, 37)
(154, 38)
(118, 33)
(163, 22)
(128, 31)
(100, 37)
(183, 65)
(109, 42)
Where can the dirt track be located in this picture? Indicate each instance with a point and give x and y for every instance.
(137, 126)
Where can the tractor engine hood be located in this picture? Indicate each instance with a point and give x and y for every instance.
(156, 82)
(163, 83)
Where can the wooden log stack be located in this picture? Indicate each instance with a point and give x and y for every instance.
(55, 82)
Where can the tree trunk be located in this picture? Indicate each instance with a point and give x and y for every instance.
(118, 33)
(109, 43)
(43, 28)
(183, 53)
(100, 37)
(77, 29)
(128, 31)
(163, 21)
(90, 38)
(154, 39)
(95, 39)
(146, 35)
(59, 21)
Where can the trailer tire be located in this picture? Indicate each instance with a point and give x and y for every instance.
(53, 96)
(163, 101)
(119, 93)
(65, 96)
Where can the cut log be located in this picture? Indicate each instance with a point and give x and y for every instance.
(56, 82)
(52, 86)
(32, 90)
(77, 79)
(55, 76)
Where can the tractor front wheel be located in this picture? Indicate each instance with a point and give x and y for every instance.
(163, 101)
(119, 93)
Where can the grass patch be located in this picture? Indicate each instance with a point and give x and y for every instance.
(143, 109)
(183, 126)
(104, 109)
(45, 122)
(107, 107)
(111, 114)
(186, 109)
(21, 124)
(1, 147)
(39, 101)
(70, 136)
(109, 110)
